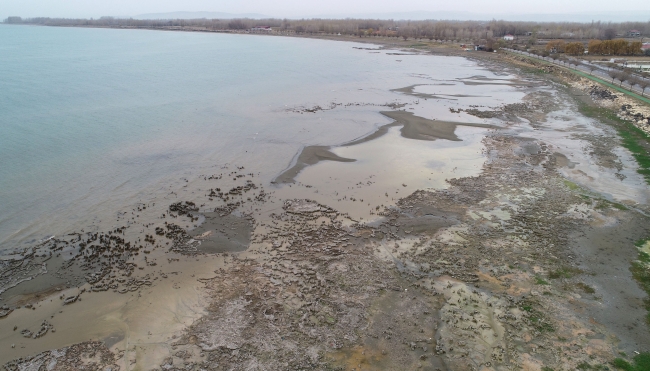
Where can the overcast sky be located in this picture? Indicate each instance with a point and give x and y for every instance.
(306, 8)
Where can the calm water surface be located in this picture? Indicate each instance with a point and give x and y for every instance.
(95, 120)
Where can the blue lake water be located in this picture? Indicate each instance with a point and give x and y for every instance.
(95, 120)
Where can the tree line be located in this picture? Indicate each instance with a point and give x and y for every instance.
(427, 29)
(614, 47)
(596, 47)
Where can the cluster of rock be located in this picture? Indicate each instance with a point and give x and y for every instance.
(88, 356)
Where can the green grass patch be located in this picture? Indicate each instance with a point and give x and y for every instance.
(572, 186)
(564, 272)
(602, 204)
(633, 138)
(644, 257)
(622, 364)
(537, 318)
(640, 362)
(587, 366)
(641, 242)
(533, 70)
(585, 288)
(540, 281)
(541, 325)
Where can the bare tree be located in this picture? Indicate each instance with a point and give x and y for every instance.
(625, 76)
(621, 77)
(642, 83)
(592, 68)
(237, 24)
(613, 75)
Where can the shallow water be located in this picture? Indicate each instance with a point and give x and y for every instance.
(97, 120)
(387, 169)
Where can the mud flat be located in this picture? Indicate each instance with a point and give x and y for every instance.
(412, 127)
(415, 127)
(522, 263)
(309, 156)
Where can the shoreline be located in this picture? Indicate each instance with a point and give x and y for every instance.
(509, 258)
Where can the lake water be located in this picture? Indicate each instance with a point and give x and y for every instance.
(93, 121)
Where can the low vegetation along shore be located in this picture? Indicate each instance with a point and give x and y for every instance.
(517, 268)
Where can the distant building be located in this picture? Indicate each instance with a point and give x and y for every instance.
(261, 29)
(508, 37)
(633, 33)
(645, 46)
(640, 66)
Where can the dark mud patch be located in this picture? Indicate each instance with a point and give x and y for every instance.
(309, 155)
(35, 290)
(413, 127)
(420, 128)
(531, 148)
(410, 90)
(426, 220)
(218, 234)
(535, 108)
(36, 276)
(85, 356)
(483, 80)
(562, 161)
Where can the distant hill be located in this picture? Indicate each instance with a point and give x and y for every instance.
(199, 15)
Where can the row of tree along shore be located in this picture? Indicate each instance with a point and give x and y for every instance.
(596, 47)
(429, 29)
(614, 72)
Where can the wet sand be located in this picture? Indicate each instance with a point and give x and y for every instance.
(413, 127)
(410, 90)
(309, 156)
(219, 234)
(420, 128)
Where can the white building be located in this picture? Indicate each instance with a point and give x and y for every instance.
(641, 66)
(508, 37)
